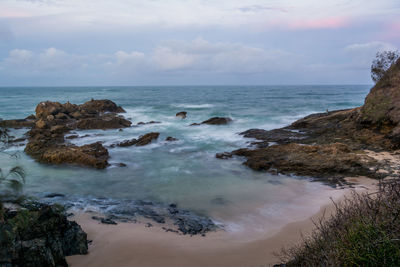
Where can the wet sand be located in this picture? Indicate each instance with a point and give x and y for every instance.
(128, 244)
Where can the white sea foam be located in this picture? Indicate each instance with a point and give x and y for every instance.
(193, 106)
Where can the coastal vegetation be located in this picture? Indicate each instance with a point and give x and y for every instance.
(383, 61)
(363, 231)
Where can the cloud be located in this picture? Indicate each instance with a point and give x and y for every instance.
(369, 47)
(201, 55)
(259, 8)
(49, 62)
(197, 57)
(320, 23)
(361, 55)
(99, 14)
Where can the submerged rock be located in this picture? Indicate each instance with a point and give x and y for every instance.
(52, 195)
(181, 114)
(127, 143)
(150, 122)
(171, 139)
(224, 155)
(141, 141)
(184, 221)
(214, 121)
(217, 121)
(147, 139)
(39, 235)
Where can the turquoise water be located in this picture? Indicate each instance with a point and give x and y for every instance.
(184, 172)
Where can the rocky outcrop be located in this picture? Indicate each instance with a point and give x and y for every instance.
(46, 138)
(181, 114)
(92, 155)
(28, 123)
(141, 141)
(382, 106)
(100, 106)
(310, 160)
(217, 121)
(39, 235)
(147, 139)
(214, 121)
(88, 109)
(144, 123)
(331, 144)
(107, 121)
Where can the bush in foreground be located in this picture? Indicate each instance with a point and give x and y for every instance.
(364, 231)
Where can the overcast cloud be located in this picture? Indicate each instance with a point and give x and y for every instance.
(131, 42)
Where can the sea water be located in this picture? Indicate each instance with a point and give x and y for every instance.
(186, 171)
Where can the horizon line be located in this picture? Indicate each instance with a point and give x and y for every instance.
(185, 85)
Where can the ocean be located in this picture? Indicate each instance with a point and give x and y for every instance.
(185, 172)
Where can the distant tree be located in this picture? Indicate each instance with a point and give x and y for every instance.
(382, 62)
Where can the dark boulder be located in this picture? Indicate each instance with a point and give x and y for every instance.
(141, 141)
(128, 143)
(150, 122)
(39, 236)
(171, 139)
(147, 139)
(217, 121)
(181, 114)
(224, 155)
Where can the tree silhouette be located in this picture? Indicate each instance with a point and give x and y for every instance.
(382, 62)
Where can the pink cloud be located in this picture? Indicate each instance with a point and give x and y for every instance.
(321, 23)
(391, 32)
(9, 13)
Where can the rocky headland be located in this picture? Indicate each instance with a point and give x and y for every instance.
(335, 144)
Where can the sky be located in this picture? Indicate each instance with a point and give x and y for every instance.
(199, 42)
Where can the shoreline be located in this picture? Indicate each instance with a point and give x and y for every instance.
(129, 244)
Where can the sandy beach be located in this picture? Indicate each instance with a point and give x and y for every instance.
(128, 244)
